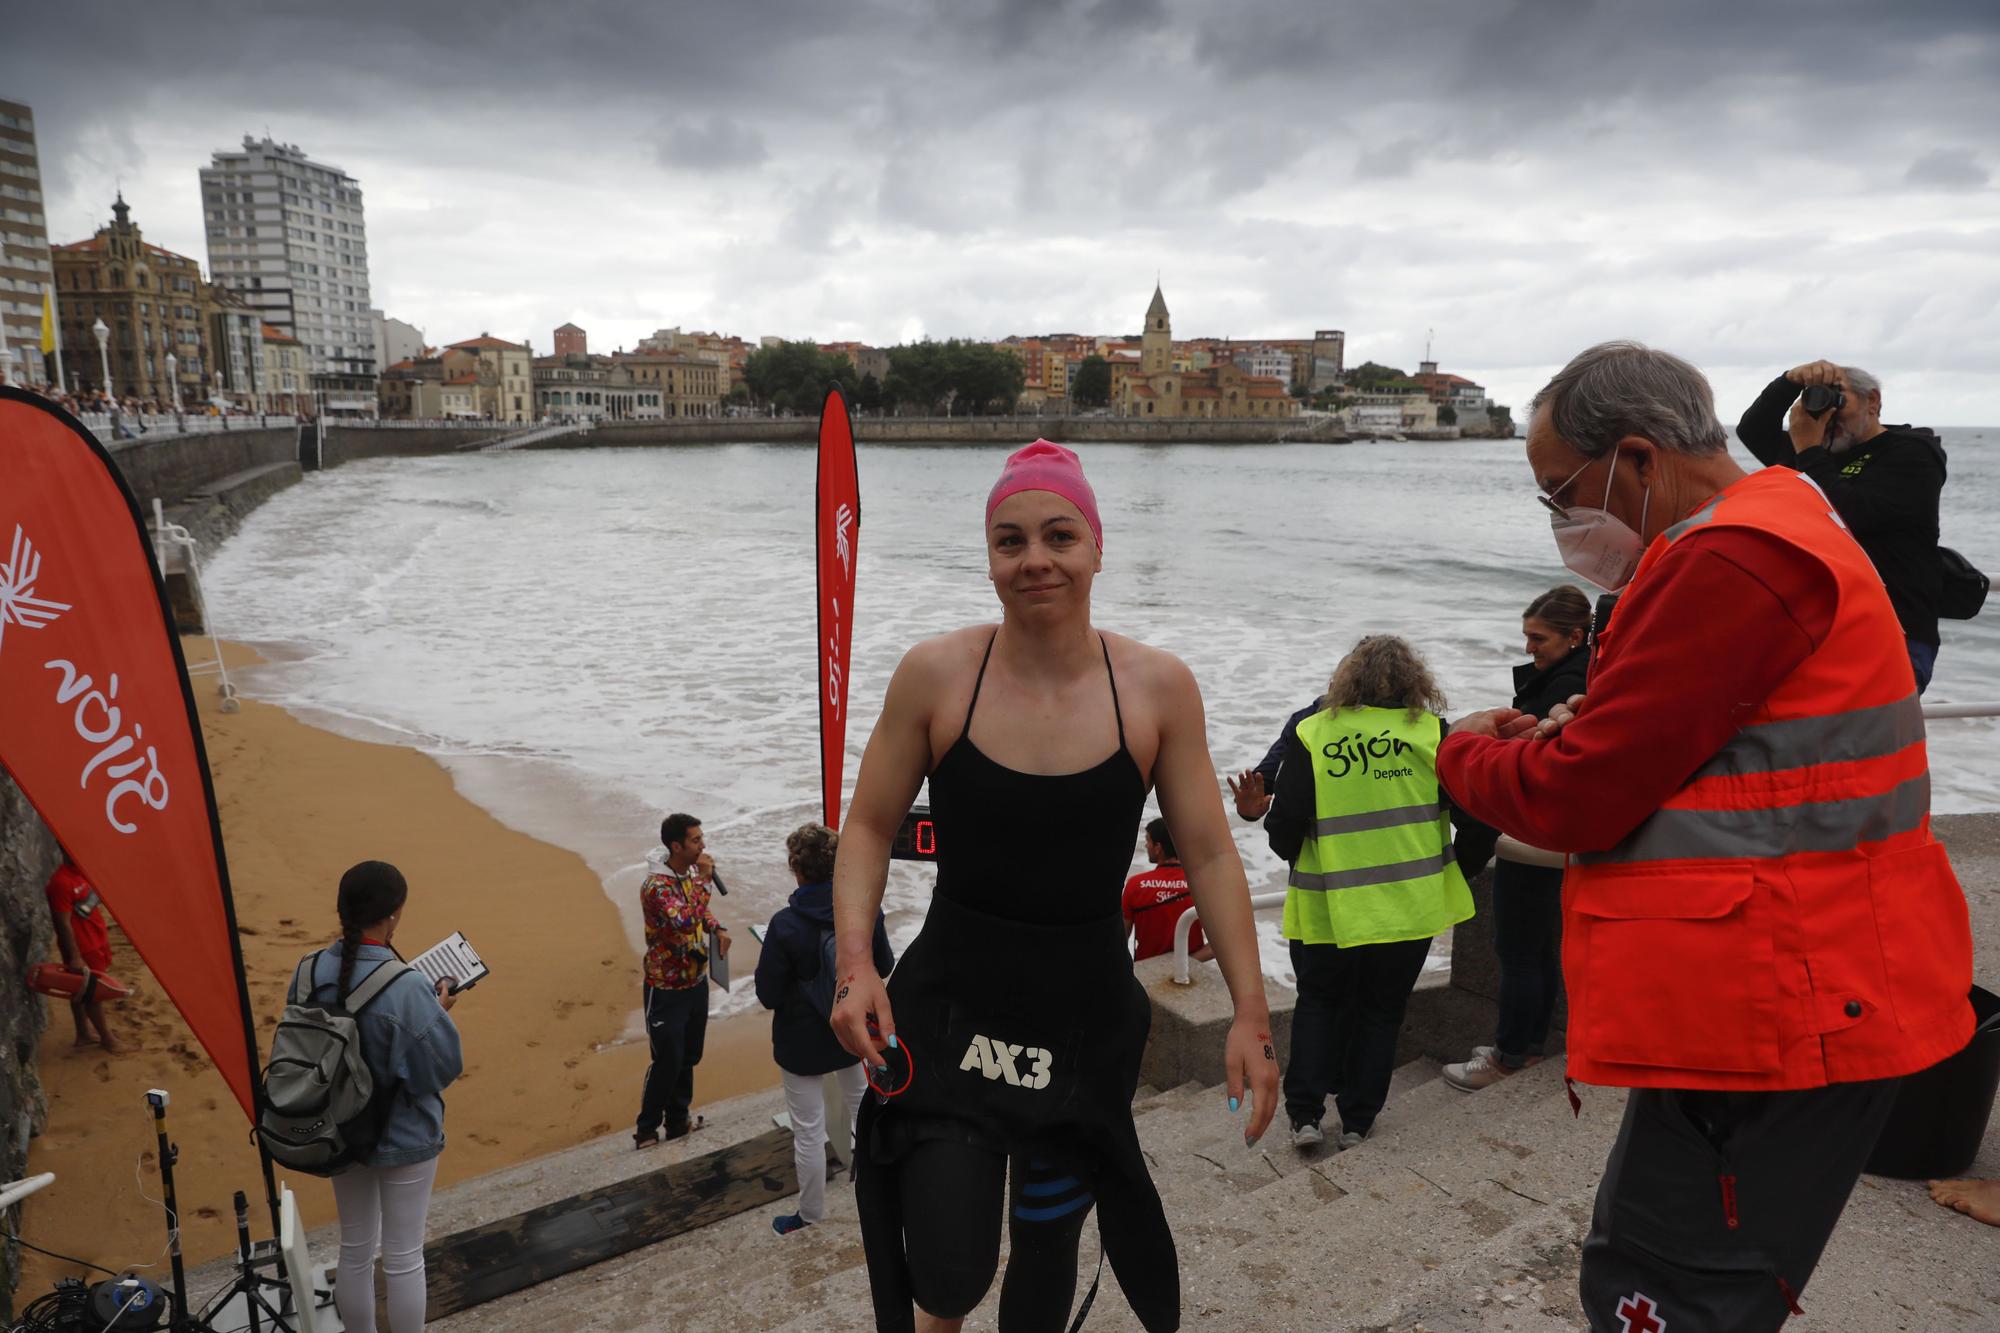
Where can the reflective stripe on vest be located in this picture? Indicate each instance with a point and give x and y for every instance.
(1377, 865)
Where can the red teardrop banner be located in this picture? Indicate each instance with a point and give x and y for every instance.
(838, 530)
(98, 724)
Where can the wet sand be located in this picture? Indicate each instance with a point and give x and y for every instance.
(548, 1060)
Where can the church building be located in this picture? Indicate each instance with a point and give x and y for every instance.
(1157, 386)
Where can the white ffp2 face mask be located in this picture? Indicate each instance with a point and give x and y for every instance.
(1597, 545)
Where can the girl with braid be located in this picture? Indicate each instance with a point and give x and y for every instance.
(411, 1047)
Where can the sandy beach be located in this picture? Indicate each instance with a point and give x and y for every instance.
(547, 1065)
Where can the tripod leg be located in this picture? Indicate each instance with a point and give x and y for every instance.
(158, 1101)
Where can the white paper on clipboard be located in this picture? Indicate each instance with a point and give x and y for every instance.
(451, 957)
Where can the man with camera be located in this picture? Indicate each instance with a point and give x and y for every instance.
(1884, 481)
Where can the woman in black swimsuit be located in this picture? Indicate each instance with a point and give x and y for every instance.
(1013, 1028)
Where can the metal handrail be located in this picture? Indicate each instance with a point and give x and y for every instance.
(1507, 849)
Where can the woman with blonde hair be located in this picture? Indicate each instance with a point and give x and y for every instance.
(1360, 816)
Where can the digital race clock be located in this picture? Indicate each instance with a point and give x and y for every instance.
(916, 840)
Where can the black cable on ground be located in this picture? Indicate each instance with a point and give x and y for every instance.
(68, 1259)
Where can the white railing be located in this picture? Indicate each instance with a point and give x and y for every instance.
(1507, 849)
(142, 425)
(535, 433)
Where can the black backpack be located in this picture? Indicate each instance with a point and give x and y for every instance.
(1963, 588)
(323, 1107)
(820, 988)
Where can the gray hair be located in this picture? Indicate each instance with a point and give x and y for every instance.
(1861, 381)
(1625, 388)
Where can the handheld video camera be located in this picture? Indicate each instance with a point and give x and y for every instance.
(1820, 399)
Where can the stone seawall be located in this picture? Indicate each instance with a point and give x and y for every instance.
(964, 430)
(346, 444)
(173, 467)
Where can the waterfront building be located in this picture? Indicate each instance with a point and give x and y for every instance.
(571, 341)
(413, 389)
(151, 300)
(289, 234)
(1329, 359)
(1269, 362)
(1164, 384)
(727, 353)
(234, 339)
(502, 372)
(688, 387)
(394, 339)
(1466, 399)
(25, 267)
(582, 387)
(286, 380)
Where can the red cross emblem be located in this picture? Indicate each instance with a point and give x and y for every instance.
(1637, 1314)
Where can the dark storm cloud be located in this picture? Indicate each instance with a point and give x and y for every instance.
(1525, 176)
(1948, 169)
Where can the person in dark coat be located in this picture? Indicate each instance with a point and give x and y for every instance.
(1527, 900)
(789, 983)
(1884, 482)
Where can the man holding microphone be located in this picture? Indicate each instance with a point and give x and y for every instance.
(1760, 933)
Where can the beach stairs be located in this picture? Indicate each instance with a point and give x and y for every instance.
(1459, 1212)
(533, 435)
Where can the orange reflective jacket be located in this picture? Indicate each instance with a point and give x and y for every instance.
(1785, 919)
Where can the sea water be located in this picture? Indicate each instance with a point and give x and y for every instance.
(591, 638)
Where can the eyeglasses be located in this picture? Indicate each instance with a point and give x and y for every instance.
(1548, 500)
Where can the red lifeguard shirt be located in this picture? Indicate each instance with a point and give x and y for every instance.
(71, 895)
(1154, 901)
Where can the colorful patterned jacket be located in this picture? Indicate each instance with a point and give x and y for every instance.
(676, 910)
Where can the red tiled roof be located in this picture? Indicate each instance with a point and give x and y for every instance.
(464, 377)
(274, 334)
(569, 328)
(485, 340)
(1140, 390)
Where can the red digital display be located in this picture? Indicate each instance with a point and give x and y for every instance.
(916, 840)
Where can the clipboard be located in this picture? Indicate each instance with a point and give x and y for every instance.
(454, 959)
(718, 966)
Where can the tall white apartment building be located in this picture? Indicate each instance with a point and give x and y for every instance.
(24, 247)
(287, 234)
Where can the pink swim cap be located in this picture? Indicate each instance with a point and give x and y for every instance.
(1043, 466)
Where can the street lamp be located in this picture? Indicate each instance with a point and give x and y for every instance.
(103, 335)
(173, 383)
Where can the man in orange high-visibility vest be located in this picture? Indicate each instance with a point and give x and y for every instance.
(1760, 933)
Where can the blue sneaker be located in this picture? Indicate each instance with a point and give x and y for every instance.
(787, 1223)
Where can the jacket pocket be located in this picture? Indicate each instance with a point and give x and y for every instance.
(1673, 967)
(1925, 930)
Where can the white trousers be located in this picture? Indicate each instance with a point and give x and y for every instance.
(807, 1107)
(383, 1205)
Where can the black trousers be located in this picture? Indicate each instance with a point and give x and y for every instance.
(1344, 1029)
(1715, 1206)
(676, 1027)
(1527, 907)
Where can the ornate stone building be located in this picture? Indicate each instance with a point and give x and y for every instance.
(155, 304)
(502, 372)
(1161, 385)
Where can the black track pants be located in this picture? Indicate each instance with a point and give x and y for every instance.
(1715, 1206)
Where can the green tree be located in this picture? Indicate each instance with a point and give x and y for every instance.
(1369, 376)
(868, 394)
(794, 376)
(1447, 415)
(1091, 386)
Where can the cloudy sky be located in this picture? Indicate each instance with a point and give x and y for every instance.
(1749, 184)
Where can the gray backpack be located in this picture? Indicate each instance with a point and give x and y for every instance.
(322, 1107)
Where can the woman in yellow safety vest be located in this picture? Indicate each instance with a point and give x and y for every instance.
(1360, 816)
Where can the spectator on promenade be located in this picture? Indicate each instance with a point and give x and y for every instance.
(1759, 963)
(1884, 481)
(1527, 900)
(411, 1045)
(1361, 819)
(795, 980)
(674, 904)
(84, 942)
(1154, 900)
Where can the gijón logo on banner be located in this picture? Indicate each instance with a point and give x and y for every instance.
(97, 725)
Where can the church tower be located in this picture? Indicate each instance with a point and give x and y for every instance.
(1156, 344)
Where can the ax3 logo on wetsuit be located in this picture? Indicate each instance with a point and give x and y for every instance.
(1351, 754)
(995, 1059)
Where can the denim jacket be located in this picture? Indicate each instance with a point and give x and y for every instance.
(409, 1040)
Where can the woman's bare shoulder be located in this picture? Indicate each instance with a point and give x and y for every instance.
(1153, 669)
(943, 657)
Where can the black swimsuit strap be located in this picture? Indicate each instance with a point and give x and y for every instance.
(966, 730)
(980, 680)
(1116, 711)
